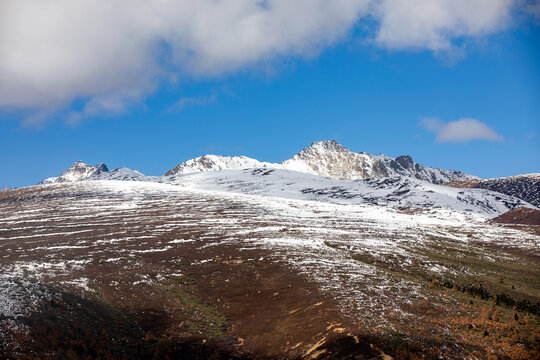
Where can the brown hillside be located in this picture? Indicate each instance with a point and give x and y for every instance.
(463, 184)
(521, 215)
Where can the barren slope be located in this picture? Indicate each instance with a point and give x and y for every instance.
(259, 275)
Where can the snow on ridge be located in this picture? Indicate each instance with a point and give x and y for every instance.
(330, 159)
(216, 163)
(124, 174)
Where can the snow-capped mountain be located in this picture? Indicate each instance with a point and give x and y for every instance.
(77, 171)
(327, 171)
(329, 159)
(216, 163)
(525, 187)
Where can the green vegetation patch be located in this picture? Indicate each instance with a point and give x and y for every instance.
(205, 320)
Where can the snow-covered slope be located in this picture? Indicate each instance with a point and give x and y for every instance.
(77, 171)
(216, 163)
(525, 187)
(395, 192)
(329, 159)
(4, 188)
(367, 264)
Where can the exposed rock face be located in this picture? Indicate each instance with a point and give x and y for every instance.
(525, 187)
(77, 171)
(329, 159)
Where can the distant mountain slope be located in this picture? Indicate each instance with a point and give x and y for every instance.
(329, 159)
(525, 187)
(77, 171)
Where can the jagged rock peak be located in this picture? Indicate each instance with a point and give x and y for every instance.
(405, 161)
(328, 158)
(327, 145)
(78, 171)
(80, 167)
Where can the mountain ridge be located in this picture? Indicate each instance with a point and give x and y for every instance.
(330, 159)
(216, 163)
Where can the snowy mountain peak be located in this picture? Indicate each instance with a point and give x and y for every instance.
(216, 163)
(326, 145)
(78, 171)
(330, 159)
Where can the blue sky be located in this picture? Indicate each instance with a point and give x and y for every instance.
(367, 97)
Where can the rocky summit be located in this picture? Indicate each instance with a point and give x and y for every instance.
(77, 171)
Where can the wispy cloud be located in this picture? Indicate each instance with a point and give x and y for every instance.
(192, 101)
(462, 130)
(114, 53)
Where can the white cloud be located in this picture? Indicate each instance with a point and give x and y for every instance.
(193, 101)
(434, 24)
(113, 53)
(461, 130)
